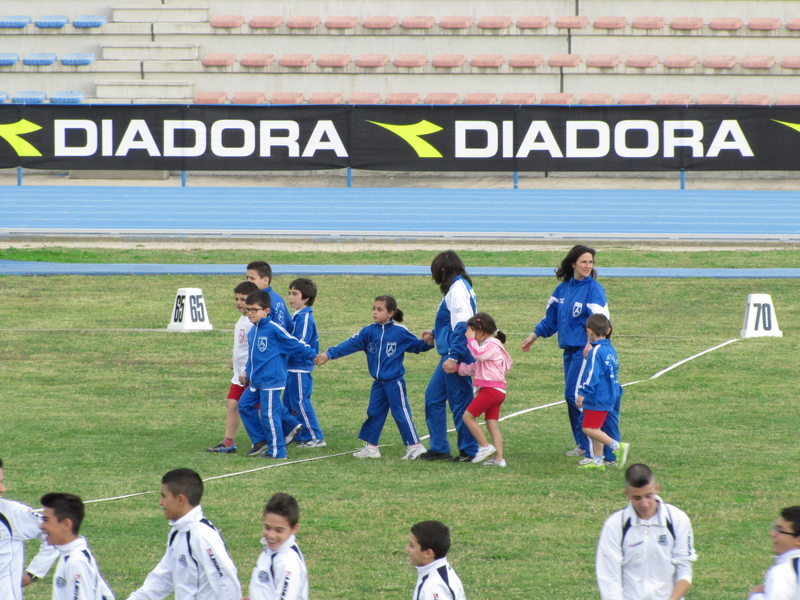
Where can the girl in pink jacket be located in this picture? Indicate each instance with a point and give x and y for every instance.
(485, 342)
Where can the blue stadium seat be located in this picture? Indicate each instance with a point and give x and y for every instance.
(29, 97)
(52, 21)
(86, 21)
(78, 58)
(3, 96)
(39, 59)
(67, 97)
(14, 21)
(8, 59)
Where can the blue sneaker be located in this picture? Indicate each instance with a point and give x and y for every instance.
(222, 449)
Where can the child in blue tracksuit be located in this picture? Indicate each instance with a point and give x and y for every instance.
(385, 344)
(598, 394)
(270, 345)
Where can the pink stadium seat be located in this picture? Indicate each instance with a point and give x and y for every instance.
(635, 99)
(757, 99)
(725, 24)
(758, 62)
(210, 97)
(487, 60)
(533, 23)
(296, 60)
(380, 22)
(219, 60)
(687, 23)
(597, 99)
(364, 98)
(257, 60)
(572, 22)
(227, 21)
(610, 22)
(480, 98)
(602, 61)
(791, 62)
(341, 23)
(333, 60)
(558, 98)
(372, 60)
(675, 99)
(530, 61)
(641, 61)
(680, 61)
(249, 98)
(719, 62)
(648, 22)
(448, 61)
(523, 98)
(287, 98)
(793, 24)
(764, 24)
(402, 98)
(494, 23)
(788, 100)
(303, 22)
(418, 22)
(456, 22)
(265, 22)
(713, 99)
(410, 60)
(441, 98)
(325, 98)
(564, 60)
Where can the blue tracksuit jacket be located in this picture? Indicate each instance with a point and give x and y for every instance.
(568, 308)
(279, 312)
(450, 326)
(598, 382)
(305, 330)
(384, 345)
(270, 345)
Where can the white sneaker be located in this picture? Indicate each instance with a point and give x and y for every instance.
(577, 451)
(292, 434)
(368, 452)
(313, 444)
(483, 453)
(495, 463)
(584, 461)
(414, 451)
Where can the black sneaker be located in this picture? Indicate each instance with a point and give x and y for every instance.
(463, 457)
(222, 449)
(257, 449)
(431, 455)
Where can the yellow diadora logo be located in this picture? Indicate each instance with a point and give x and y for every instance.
(411, 134)
(795, 126)
(11, 133)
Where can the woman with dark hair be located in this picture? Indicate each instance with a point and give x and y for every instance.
(449, 331)
(573, 301)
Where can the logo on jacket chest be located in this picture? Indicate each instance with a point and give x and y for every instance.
(242, 335)
(182, 560)
(391, 349)
(662, 539)
(262, 344)
(577, 309)
(61, 582)
(263, 577)
(372, 348)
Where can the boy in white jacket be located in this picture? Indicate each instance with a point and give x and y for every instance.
(783, 578)
(428, 545)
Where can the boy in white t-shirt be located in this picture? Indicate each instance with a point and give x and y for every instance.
(237, 364)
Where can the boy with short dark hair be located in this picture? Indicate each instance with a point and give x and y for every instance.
(299, 383)
(270, 346)
(77, 576)
(280, 572)
(428, 545)
(196, 565)
(237, 364)
(260, 273)
(599, 393)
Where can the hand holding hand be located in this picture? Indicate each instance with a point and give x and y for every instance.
(470, 333)
(321, 359)
(450, 366)
(428, 338)
(243, 379)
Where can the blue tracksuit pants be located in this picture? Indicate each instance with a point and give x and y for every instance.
(297, 400)
(573, 360)
(388, 396)
(264, 424)
(456, 389)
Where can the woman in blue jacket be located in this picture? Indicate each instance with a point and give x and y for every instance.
(573, 301)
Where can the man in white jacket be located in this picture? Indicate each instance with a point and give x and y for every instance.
(783, 578)
(19, 522)
(196, 564)
(645, 550)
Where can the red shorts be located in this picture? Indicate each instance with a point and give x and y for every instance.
(594, 419)
(236, 391)
(487, 401)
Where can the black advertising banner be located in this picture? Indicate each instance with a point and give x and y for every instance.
(400, 138)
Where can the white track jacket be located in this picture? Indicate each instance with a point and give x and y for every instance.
(19, 522)
(196, 565)
(643, 560)
(77, 576)
(783, 580)
(438, 581)
(280, 574)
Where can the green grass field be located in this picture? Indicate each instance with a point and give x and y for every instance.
(90, 408)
